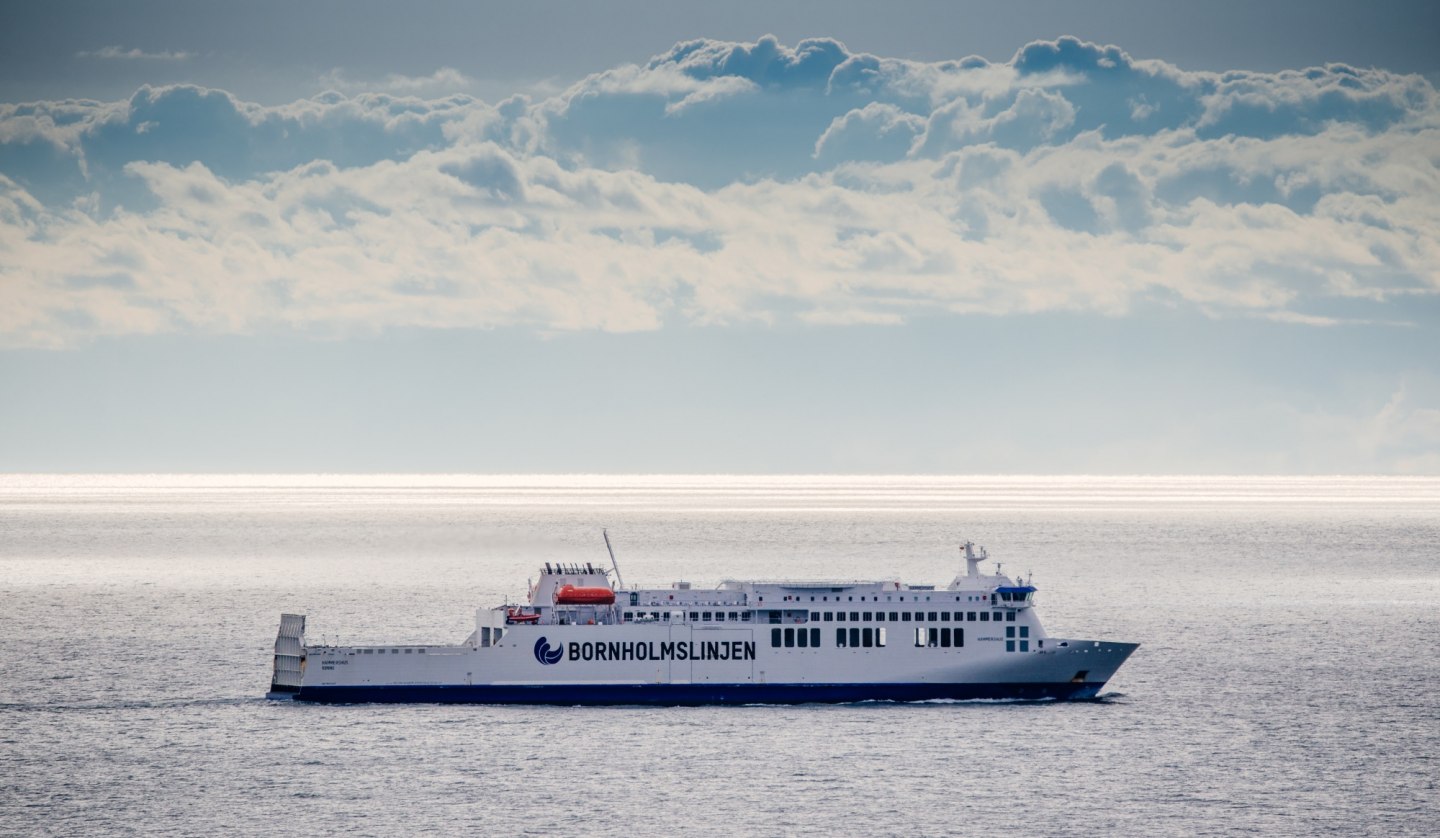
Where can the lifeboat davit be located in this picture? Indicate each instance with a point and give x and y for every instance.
(573, 595)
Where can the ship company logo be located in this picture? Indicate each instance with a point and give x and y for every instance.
(547, 654)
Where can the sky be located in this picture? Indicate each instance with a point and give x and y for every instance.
(1058, 237)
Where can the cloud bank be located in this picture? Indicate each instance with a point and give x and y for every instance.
(723, 183)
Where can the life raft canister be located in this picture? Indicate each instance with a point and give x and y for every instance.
(572, 595)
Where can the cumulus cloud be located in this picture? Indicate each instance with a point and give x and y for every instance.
(721, 183)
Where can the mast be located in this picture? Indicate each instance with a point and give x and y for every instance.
(613, 563)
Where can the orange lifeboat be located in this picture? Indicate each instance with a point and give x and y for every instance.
(572, 595)
(515, 615)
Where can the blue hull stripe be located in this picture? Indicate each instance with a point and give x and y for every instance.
(693, 694)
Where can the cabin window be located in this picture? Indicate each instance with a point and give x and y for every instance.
(1009, 645)
(840, 616)
(775, 637)
(372, 651)
(894, 616)
(1009, 631)
(867, 638)
(790, 638)
(854, 616)
(803, 639)
(869, 616)
(1024, 631)
(814, 616)
(815, 638)
(1010, 616)
(945, 638)
(840, 637)
(1024, 645)
(933, 639)
(854, 637)
(774, 616)
(879, 616)
(744, 616)
(829, 616)
(970, 615)
(984, 616)
(933, 617)
(905, 615)
(706, 616)
(944, 616)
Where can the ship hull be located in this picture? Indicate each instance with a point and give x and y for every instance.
(680, 695)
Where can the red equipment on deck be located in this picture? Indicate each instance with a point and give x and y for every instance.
(572, 595)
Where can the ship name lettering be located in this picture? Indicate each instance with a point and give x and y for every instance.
(708, 650)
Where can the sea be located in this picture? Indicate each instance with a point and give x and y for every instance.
(1287, 682)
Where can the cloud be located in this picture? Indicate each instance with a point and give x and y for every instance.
(723, 183)
(135, 54)
(445, 80)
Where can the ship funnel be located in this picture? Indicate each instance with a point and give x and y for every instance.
(973, 560)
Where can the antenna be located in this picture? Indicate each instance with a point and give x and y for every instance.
(613, 563)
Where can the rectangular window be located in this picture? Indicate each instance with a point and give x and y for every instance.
(934, 617)
(984, 616)
(944, 616)
(1024, 645)
(707, 616)
(867, 638)
(879, 616)
(774, 637)
(905, 615)
(959, 637)
(804, 639)
(919, 635)
(854, 637)
(829, 616)
(815, 638)
(970, 615)
(1009, 645)
(773, 616)
(1009, 631)
(934, 638)
(945, 638)
(814, 616)
(1024, 631)
(789, 638)
(744, 616)
(1010, 616)
(854, 616)
(840, 616)
(869, 616)
(894, 616)
(840, 637)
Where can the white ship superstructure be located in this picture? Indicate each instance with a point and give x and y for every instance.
(581, 639)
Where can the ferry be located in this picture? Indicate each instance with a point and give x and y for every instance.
(583, 638)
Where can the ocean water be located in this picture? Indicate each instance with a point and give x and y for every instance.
(1286, 685)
